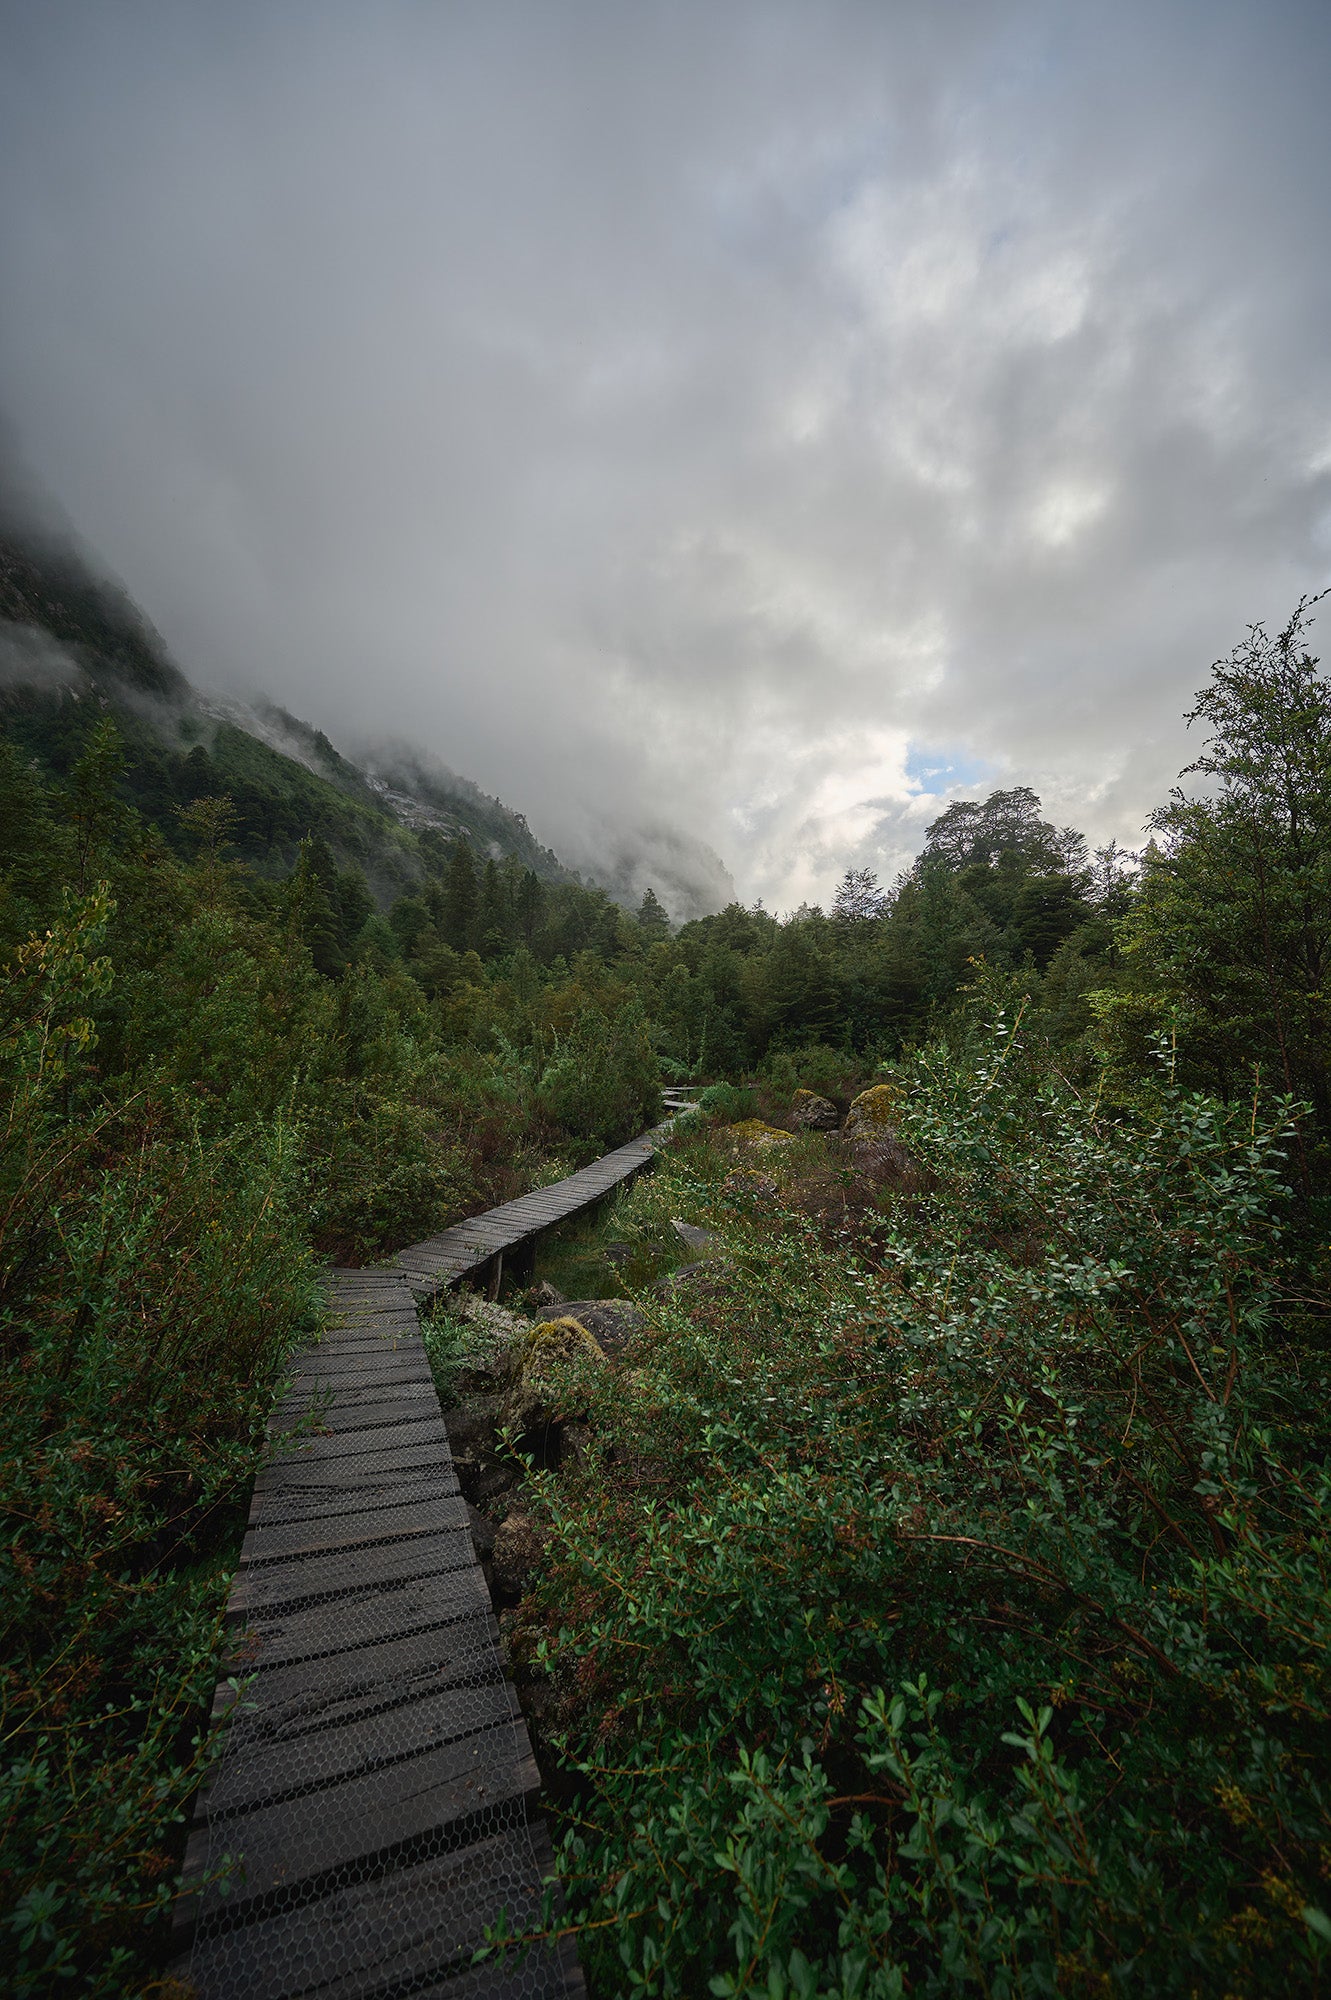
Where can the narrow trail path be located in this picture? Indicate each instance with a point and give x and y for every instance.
(376, 1787)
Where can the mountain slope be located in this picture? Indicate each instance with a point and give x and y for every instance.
(73, 646)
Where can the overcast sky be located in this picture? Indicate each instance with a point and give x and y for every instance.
(761, 420)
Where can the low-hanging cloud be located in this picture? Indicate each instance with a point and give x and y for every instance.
(751, 421)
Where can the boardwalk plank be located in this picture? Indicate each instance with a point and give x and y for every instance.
(387, 1933)
(380, 1733)
(354, 1475)
(292, 1507)
(387, 1611)
(379, 1716)
(349, 1412)
(435, 1656)
(412, 1435)
(326, 1531)
(292, 1841)
(402, 1365)
(267, 1588)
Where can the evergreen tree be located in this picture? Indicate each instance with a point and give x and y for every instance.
(859, 897)
(529, 906)
(461, 901)
(492, 919)
(312, 911)
(94, 810)
(653, 921)
(1006, 823)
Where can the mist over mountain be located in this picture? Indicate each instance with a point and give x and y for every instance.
(72, 642)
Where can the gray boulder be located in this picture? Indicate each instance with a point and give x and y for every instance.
(813, 1113)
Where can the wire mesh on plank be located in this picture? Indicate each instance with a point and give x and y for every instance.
(368, 1819)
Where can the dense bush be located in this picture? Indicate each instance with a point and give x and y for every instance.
(948, 1607)
(151, 1281)
(601, 1081)
(728, 1101)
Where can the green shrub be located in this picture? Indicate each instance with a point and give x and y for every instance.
(151, 1282)
(831, 1072)
(601, 1083)
(728, 1101)
(949, 1609)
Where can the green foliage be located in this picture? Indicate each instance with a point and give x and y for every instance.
(941, 1598)
(151, 1281)
(653, 920)
(1230, 942)
(601, 1082)
(727, 1102)
(949, 1607)
(203, 1081)
(832, 1073)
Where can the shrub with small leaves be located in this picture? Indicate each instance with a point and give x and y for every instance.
(943, 1604)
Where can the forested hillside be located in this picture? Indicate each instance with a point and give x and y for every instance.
(71, 643)
(1068, 1314)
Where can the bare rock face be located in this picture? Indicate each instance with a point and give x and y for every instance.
(813, 1113)
(515, 1555)
(471, 1423)
(691, 1235)
(547, 1295)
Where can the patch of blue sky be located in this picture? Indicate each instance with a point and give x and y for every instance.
(944, 770)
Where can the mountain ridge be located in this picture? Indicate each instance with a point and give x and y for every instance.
(72, 641)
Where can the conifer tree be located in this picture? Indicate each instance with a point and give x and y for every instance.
(461, 899)
(1234, 920)
(312, 910)
(653, 921)
(492, 914)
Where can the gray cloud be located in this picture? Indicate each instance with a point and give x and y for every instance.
(689, 417)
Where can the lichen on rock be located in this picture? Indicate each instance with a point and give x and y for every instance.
(814, 1113)
(536, 1362)
(871, 1136)
(763, 1138)
(872, 1111)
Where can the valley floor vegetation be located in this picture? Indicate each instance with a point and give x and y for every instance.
(937, 1598)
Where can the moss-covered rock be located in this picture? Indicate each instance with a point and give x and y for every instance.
(564, 1339)
(871, 1113)
(871, 1135)
(814, 1113)
(752, 1132)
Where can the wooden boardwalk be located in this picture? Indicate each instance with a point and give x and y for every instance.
(479, 1248)
(374, 1793)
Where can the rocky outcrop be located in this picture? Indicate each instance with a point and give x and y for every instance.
(537, 1362)
(612, 1322)
(813, 1113)
(871, 1136)
(523, 1398)
(872, 1111)
(753, 1135)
